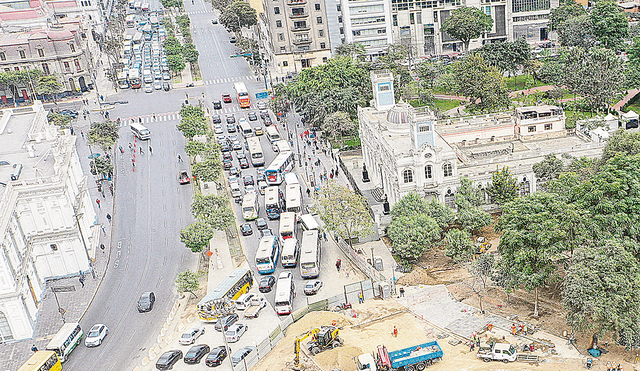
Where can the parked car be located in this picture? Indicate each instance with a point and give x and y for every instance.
(266, 283)
(246, 229)
(216, 120)
(248, 179)
(232, 39)
(252, 116)
(226, 98)
(312, 287)
(196, 353)
(146, 301)
(227, 164)
(217, 104)
(223, 323)
(235, 332)
(241, 354)
(260, 173)
(168, 359)
(261, 223)
(250, 189)
(166, 86)
(258, 131)
(190, 336)
(217, 355)
(231, 127)
(266, 233)
(214, 21)
(244, 163)
(262, 105)
(234, 171)
(231, 119)
(96, 335)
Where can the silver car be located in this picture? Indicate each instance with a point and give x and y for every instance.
(190, 336)
(96, 335)
(235, 332)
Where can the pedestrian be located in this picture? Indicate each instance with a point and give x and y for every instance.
(109, 217)
(395, 332)
(179, 158)
(471, 346)
(121, 149)
(106, 114)
(98, 202)
(308, 192)
(111, 188)
(360, 298)
(103, 230)
(34, 348)
(324, 235)
(150, 150)
(130, 146)
(82, 134)
(154, 117)
(102, 97)
(81, 279)
(331, 176)
(141, 151)
(338, 264)
(402, 292)
(513, 329)
(101, 246)
(140, 120)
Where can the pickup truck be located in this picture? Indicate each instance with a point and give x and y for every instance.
(257, 303)
(498, 352)
(411, 358)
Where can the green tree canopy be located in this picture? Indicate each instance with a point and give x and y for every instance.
(104, 134)
(466, 23)
(176, 63)
(622, 142)
(192, 121)
(213, 210)
(473, 218)
(409, 205)
(412, 235)
(468, 194)
(459, 246)
(442, 214)
(196, 236)
(190, 53)
(610, 25)
(101, 165)
(59, 120)
(187, 281)
(337, 124)
(238, 14)
(48, 85)
(484, 85)
(507, 56)
(549, 168)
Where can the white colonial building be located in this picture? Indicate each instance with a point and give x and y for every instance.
(47, 221)
(408, 150)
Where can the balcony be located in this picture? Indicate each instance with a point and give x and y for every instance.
(296, 2)
(302, 28)
(302, 42)
(299, 15)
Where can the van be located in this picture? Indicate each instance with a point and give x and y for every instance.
(291, 178)
(236, 192)
(308, 222)
(244, 301)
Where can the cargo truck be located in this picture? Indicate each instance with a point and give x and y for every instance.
(416, 357)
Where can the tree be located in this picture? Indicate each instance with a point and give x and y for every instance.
(568, 9)
(279, 102)
(213, 210)
(196, 236)
(459, 245)
(409, 205)
(549, 168)
(238, 14)
(601, 291)
(507, 56)
(220, 4)
(395, 59)
(192, 122)
(504, 187)
(48, 85)
(208, 170)
(622, 142)
(467, 194)
(59, 120)
(338, 124)
(610, 25)
(412, 235)
(442, 214)
(195, 147)
(187, 281)
(428, 72)
(572, 23)
(418, 90)
(466, 23)
(473, 218)
(176, 63)
(355, 51)
(483, 84)
(172, 46)
(483, 268)
(101, 165)
(104, 134)
(344, 212)
(190, 53)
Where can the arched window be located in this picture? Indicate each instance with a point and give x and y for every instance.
(525, 187)
(450, 199)
(447, 169)
(428, 172)
(407, 175)
(5, 329)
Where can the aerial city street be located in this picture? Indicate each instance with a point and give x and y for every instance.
(316, 185)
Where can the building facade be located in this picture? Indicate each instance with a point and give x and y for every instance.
(367, 22)
(47, 222)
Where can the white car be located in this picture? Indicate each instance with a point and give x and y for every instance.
(218, 129)
(96, 335)
(262, 105)
(190, 336)
(235, 332)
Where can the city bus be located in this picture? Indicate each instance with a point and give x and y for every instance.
(243, 95)
(267, 255)
(287, 225)
(310, 254)
(294, 198)
(272, 134)
(282, 164)
(250, 207)
(42, 361)
(282, 146)
(238, 282)
(123, 82)
(255, 150)
(245, 128)
(134, 78)
(140, 131)
(66, 340)
(285, 292)
(289, 253)
(273, 202)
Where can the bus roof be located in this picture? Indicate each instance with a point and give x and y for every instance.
(62, 335)
(287, 219)
(291, 178)
(224, 285)
(279, 160)
(249, 199)
(289, 245)
(264, 249)
(309, 246)
(283, 146)
(309, 221)
(240, 87)
(37, 359)
(293, 195)
(271, 195)
(138, 126)
(283, 289)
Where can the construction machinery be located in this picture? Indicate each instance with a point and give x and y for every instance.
(481, 245)
(325, 337)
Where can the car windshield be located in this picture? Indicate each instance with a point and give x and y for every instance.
(186, 336)
(309, 286)
(94, 333)
(230, 333)
(192, 353)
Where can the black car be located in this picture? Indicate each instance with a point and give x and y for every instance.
(266, 283)
(226, 322)
(195, 353)
(232, 39)
(69, 112)
(248, 180)
(216, 119)
(145, 303)
(227, 156)
(166, 86)
(244, 163)
(241, 354)
(252, 116)
(246, 229)
(261, 224)
(217, 104)
(227, 164)
(217, 355)
(214, 21)
(168, 359)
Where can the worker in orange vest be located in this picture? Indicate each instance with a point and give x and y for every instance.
(395, 331)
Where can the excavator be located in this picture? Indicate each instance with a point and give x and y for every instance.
(325, 337)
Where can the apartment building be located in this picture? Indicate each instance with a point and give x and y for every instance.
(367, 22)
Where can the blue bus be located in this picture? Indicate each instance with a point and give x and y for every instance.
(267, 255)
(273, 202)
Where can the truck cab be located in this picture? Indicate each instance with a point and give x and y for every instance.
(366, 362)
(498, 352)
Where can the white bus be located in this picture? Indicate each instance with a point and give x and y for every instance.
(289, 257)
(273, 202)
(308, 222)
(272, 134)
(140, 131)
(250, 207)
(285, 292)
(66, 340)
(255, 150)
(245, 128)
(282, 164)
(267, 255)
(291, 178)
(294, 198)
(287, 225)
(310, 254)
(282, 146)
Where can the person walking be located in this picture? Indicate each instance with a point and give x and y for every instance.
(34, 348)
(180, 158)
(338, 264)
(109, 217)
(81, 279)
(98, 202)
(402, 292)
(150, 150)
(141, 151)
(360, 298)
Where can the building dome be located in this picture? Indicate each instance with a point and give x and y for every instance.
(399, 113)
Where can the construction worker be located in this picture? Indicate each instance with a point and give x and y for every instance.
(395, 332)
(513, 329)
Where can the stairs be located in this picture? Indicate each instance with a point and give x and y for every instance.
(378, 194)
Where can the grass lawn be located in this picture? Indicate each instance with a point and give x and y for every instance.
(523, 82)
(445, 104)
(634, 104)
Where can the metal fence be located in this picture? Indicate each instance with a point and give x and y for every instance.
(359, 261)
(353, 183)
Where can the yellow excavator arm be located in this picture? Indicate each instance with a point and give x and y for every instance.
(299, 340)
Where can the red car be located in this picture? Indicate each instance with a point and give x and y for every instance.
(184, 178)
(226, 98)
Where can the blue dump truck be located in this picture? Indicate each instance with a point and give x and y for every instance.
(413, 358)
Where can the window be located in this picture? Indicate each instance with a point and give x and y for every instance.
(339, 19)
(339, 8)
(299, 24)
(297, 11)
(280, 37)
(324, 59)
(435, 17)
(278, 23)
(407, 176)
(45, 68)
(395, 19)
(319, 20)
(412, 18)
(3, 56)
(447, 170)
(548, 126)
(40, 52)
(7, 70)
(16, 68)
(66, 67)
(317, 6)
(72, 47)
(283, 49)
(532, 129)
(450, 199)
(322, 45)
(341, 30)
(530, 5)
(276, 10)
(22, 55)
(419, 18)
(321, 33)
(285, 63)
(77, 63)
(5, 329)
(424, 128)
(428, 172)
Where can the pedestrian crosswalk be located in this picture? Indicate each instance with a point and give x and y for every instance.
(148, 119)
(200, 12)
(230, 79)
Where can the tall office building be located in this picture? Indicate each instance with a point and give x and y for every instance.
(367, 22)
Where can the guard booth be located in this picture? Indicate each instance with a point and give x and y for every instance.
(630, 120)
